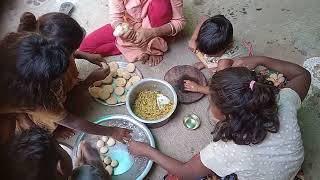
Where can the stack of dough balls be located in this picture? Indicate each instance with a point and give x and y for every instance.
(103, 145)
(116, 84)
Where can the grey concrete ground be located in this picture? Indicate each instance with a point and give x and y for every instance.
(286, 29)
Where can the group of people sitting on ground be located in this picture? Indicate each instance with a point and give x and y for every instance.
(255, 134)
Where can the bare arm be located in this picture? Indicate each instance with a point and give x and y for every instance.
(192, 169)
(198, 27)
(299, 78)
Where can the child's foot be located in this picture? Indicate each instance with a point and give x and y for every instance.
(191, 86)
(143, 57)
(28, 22)
(62, 132)
(199, 65)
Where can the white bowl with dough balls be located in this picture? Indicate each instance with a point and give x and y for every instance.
(157, 85)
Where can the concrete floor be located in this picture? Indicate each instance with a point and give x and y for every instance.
(287, 29)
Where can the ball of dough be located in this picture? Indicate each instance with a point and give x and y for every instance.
(123, 98)
(104, 95)
(109, 169)
(131, 67)
(133, 74)
(114, 65)
(108, 79)
(112, 100)
(134, 79)
(128, 85)
(121, 29)
(107, 160)
(94, 91)
(97, 83)
(108, 88)
(113, 73)
(126, 75)
(120, 72)
(120, 82)
(111, 142)
(114, 163)
(119, 91)
(104, 138)
(100, 144)
(104, 149)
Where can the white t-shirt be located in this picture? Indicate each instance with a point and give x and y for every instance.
(278, 157)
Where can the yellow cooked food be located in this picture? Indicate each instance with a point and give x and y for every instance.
(146, 107)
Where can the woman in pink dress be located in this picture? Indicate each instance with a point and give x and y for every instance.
(151, 20)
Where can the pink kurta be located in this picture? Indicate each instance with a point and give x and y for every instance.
(135, 12)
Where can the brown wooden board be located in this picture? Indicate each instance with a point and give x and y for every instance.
(176, 76)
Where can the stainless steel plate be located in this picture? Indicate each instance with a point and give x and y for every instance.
(121, 65)
(138, 167)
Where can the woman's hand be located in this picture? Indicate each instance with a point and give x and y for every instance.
(138, 148)
(96, 59)
(121, 134)
(144, 36)
(98, 74)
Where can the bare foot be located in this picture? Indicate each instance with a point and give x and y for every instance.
(199, 65)
(155, 60)
(191, 86)
(143, 57)
(63, 132)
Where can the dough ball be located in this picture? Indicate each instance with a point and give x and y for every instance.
(134, 79)
(108, 79)
(119, 91)
(114, 163)
(120, 72)
(104, 138)
(100, 144)
(123, 98)
(114, 65)
(94, 92)
(113, 73)
(111, 142)
(109, 169)
(121, 29)
(112, 100)
(281, 80)
(108, 88)
(126, 75)
(104, 149)
(128, 85)
(104, 95)
(97, 83)
(120, 82)
(107, 160)
(133, 74)
(131, 67)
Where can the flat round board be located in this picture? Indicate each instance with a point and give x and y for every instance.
(176, 76)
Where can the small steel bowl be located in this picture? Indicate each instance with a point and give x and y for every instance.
(154, 85)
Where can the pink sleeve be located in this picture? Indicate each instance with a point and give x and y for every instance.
(116, 11)
(178, 21)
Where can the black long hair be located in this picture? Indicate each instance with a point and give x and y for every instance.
(250, 114)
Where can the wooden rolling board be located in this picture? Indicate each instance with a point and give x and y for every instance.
(176, 76)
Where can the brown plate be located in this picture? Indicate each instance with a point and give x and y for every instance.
(176, 76)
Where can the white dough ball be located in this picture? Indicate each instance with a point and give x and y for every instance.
(107, 160)
(100, 144)
(104, 149)
(109, 169)
(114, 163)
(104, 138)
(111, 142)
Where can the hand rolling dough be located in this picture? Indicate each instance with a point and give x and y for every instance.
(119, 91)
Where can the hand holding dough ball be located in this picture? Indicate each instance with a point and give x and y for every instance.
(100, 144)
(111, 142)
(104, 138)
(107, 160)
(119, 91)
(112, 100)
(109, 169)
(123, 98)
(126, 75)
(108, 79)
(104, 149)
(131, 67)
(120, 72)
(114, 163)
(120, 82)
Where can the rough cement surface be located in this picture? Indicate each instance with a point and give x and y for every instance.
(287, 29)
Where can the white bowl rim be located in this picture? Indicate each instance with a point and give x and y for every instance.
(175, 99)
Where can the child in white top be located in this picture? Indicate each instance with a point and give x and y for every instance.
(256, 135)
